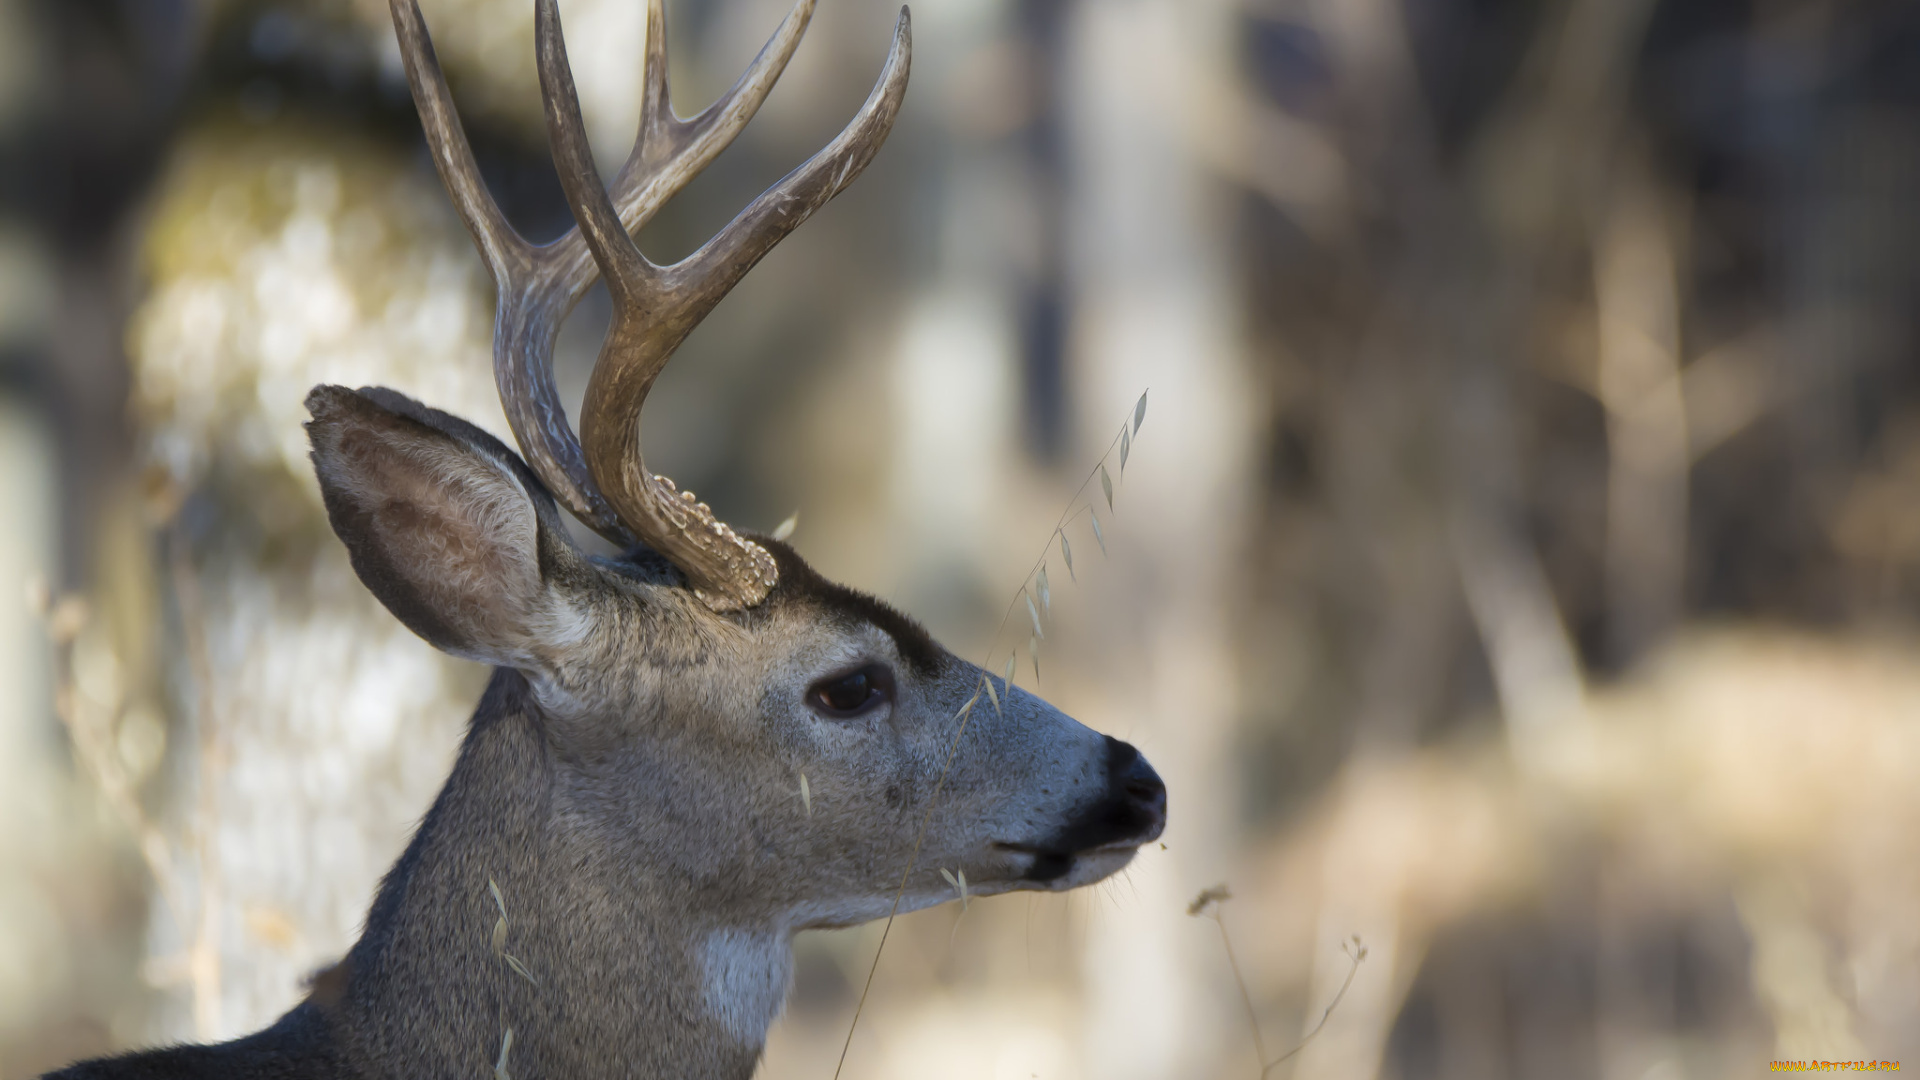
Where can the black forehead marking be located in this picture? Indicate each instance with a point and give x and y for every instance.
(801, 583)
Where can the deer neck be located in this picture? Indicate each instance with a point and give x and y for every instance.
(615, 969)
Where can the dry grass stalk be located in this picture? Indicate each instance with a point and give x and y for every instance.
(1208, 906)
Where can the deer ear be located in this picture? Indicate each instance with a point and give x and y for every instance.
(443, 523)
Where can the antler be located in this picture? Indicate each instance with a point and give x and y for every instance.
(655, 307)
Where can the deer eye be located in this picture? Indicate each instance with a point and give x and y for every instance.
(853, 693)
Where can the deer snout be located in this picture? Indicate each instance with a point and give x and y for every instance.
(1138, 787)
(1130, 810)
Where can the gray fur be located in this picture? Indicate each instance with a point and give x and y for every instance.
(631, 782)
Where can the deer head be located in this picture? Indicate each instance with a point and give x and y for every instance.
(633, 781)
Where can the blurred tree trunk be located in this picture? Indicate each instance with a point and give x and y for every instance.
(1152, 308)
(314, 727)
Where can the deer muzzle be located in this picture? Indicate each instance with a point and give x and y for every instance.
(1129, 812)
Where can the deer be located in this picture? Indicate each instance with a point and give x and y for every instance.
(687, 752)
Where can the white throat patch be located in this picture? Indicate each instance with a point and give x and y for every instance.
(748, 974)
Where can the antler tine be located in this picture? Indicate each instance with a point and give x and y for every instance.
(667, 154)
(503, 248)
(527, 317)
(707, 274)
(628, 273)
(666, 140)
(664, 306)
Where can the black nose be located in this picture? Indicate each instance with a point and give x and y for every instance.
(1135, 781)
(1131, 811)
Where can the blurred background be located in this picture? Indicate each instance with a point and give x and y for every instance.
(1517, 567)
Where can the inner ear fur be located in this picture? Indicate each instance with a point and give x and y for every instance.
(444, 524)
